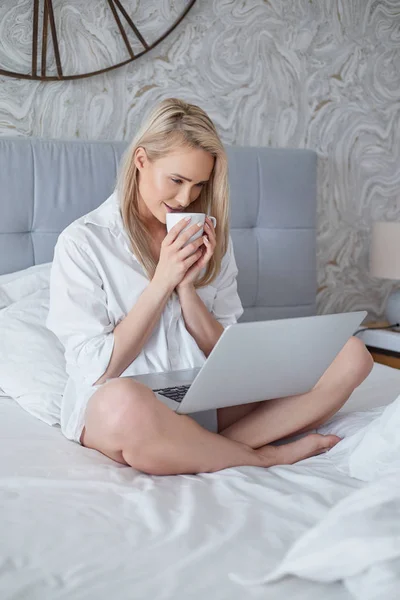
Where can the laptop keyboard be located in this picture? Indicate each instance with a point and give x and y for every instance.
(175, 393)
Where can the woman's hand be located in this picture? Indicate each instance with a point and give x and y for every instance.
(175, 261)
(207, 251)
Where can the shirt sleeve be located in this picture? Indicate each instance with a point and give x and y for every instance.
(227, 307)
(78, 313)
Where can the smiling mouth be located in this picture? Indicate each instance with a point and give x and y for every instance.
(173, 209)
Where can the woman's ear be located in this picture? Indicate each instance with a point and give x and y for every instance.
(140, 158)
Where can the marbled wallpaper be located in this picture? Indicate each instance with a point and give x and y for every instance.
(320, 74)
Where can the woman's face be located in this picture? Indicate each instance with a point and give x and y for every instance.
(172, 182)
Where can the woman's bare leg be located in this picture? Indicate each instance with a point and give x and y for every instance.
(125, 421)
(275, 419)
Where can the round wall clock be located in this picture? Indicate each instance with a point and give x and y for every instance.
(69, 39)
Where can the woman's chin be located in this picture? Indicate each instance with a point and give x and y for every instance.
(162, 217)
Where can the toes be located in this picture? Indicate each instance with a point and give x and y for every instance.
(331, 440)
(288, 454)
(322, 442)
(310, 445)
(326, 444)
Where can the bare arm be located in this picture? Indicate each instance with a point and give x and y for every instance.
(199, 322)
(131, 334)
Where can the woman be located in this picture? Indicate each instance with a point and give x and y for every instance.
(127, 298)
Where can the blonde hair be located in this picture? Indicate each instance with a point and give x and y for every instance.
(171, 124)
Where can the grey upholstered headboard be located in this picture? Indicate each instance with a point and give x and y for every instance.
(45, 185)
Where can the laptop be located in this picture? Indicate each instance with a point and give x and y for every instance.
(257, 361)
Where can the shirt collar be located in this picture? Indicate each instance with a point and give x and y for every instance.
(107, 215)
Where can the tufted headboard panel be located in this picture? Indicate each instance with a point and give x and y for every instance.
(46, 184)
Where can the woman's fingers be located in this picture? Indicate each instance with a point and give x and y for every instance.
(209, 229)
(176, 252)
(190, 248)
(205, 253)
(210, 223)
(190, 260)
(186, 235)
(209, 250)
(175, 230)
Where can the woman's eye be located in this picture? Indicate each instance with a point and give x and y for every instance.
(179, 182)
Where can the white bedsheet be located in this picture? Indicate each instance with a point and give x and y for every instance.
(76, 525)
(358, 541)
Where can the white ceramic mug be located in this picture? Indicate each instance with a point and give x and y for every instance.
(174, 218)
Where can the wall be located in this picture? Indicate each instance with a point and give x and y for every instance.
(295, 73)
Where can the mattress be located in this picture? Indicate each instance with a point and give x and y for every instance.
(76, 525)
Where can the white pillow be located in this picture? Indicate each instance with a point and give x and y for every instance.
(28, 283)
(19, 284)
(32, 365)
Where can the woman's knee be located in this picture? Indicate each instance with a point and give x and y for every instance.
(350, 367)
(121, 410)
(359, 360)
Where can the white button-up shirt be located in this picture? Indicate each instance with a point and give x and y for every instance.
(95, 281)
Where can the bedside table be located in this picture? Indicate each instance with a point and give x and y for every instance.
(384, 344)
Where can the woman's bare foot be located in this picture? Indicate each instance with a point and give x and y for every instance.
(287, 454)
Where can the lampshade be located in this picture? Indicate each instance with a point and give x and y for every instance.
(385, 250)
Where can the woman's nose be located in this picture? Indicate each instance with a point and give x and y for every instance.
(184, 198)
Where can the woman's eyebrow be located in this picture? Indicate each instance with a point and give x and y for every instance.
(186, 178)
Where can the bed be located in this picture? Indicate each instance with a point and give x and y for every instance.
(74, 524)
